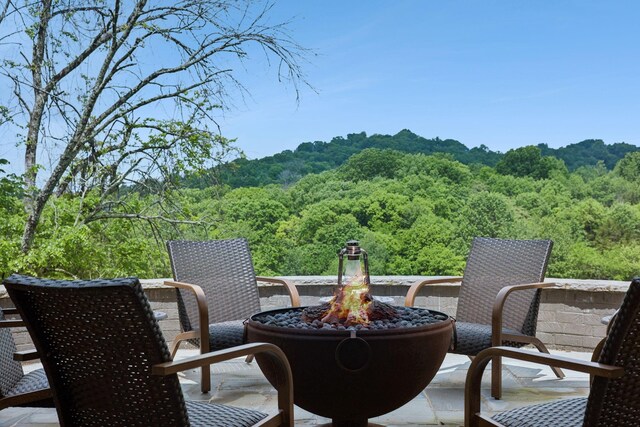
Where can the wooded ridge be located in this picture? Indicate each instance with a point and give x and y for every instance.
(288, 166)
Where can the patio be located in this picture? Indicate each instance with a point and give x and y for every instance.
(441, 403)
(570, 319)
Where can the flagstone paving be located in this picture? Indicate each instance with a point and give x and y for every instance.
(240, 384)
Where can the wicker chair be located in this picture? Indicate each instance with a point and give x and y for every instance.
(215, 285)
(485, 317)
(614, 399)
(109, 365)
(16, 388)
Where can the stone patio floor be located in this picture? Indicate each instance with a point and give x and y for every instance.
(441, 403)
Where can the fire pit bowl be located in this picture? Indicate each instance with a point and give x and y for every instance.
(352, 374)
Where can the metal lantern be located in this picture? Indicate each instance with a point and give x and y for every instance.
(355, 270)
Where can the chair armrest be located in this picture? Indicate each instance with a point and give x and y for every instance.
(289, 286)
(498, 305)
(203, 310)
(25, 355)
(284, 379)
(409, 300)
(11, 323)
(479, 363)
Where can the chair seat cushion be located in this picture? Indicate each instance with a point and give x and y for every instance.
(33, 381)
(205, 414)
(471, 338)
(560, 413)
(226, 334)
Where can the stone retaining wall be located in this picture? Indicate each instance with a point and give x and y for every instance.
(569, 318)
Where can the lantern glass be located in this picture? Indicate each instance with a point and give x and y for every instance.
(354, 270)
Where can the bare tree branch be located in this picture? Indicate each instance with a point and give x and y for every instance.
(4, 11)
(89, 77)
(137, 216)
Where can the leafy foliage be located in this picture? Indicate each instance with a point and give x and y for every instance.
(289, 166)
(589, 152)
(415, 214)
(528, 161)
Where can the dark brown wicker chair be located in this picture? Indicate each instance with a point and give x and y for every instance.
(109, 365)
(614, 399)
(216, 285)
(16, 388)
(485, 317)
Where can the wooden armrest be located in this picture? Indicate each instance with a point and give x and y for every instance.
(285, 379)
(25, 355)
(498, 306)
(599, 369)
(11, 323)
(479, 363)
(415, 288)
(289, 286)
(203, 310)
(200, 360)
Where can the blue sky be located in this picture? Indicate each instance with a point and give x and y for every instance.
(500, 73)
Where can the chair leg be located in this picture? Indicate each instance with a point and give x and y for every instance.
(543, 349)
(496, 377)
(249, 358)
(205, 371)
(205, 381)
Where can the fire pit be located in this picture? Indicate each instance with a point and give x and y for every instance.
(354, 358)
(351, 375)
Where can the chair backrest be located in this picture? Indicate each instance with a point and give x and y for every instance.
(97, 341)
(616, 402)
(224, 270)
(494, 264)
(10, 370)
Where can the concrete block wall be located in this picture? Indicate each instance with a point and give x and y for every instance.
(163, 298)
(569, 318)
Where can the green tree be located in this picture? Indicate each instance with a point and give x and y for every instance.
(370, 163)
(439, 260)
(586, 262)
(487, 214)
(439, 166)
(629, 167)
(384, 211)
(589, 215)
(528, 161)
(10, 188)
(621, 225)
(255, 206)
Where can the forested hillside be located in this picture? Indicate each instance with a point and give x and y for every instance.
(414, 213)
(315, 157)
(589, 152)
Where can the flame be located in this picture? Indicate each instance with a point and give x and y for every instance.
(350, 305)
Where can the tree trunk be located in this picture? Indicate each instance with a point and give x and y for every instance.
(32, 203)
(29, 231)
